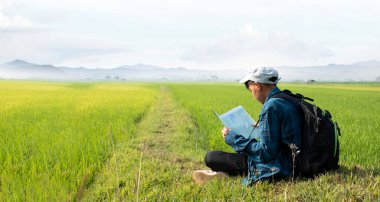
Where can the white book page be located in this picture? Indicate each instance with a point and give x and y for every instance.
(239, 122)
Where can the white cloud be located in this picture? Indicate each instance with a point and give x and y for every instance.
(49, 46)
(14, 21)
(249, 41)
(11, 21)
(4, 3)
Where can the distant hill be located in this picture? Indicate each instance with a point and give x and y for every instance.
(359, 71)
(19, 69)
(140, 67)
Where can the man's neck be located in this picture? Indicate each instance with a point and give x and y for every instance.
(267, 90)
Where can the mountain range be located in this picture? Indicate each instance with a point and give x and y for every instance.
(19, 69)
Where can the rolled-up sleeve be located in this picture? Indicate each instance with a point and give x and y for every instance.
(237, 142)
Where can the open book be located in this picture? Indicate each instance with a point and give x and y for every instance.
(239, 122)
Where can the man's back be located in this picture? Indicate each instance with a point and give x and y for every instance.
(281, 119)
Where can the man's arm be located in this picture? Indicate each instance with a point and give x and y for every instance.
(237, 142)
(267, 147)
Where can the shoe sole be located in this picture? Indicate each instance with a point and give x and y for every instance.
(202, 177)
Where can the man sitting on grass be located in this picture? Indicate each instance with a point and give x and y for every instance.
(269, 156)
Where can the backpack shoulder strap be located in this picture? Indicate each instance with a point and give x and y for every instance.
(287, 95)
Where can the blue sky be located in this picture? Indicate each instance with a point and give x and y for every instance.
(200, 34)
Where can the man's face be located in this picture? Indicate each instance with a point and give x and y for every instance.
(256, 90)
(253, 87)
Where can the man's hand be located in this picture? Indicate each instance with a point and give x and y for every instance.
(225, 132)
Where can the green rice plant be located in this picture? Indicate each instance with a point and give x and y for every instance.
(54, 137)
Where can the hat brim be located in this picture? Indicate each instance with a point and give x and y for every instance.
(245, 79)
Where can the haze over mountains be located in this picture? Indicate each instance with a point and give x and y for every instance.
(19, 69)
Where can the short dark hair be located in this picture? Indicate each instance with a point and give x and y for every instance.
(247, 84)
(265, 84)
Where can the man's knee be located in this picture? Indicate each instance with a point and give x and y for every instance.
(210, 158)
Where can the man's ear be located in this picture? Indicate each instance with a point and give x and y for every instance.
(259, 86)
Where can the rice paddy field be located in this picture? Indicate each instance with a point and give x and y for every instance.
(134, 141)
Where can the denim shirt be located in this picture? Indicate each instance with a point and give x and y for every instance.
(269, 155)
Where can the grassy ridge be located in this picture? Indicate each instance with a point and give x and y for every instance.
(156, 164)
(55, 136)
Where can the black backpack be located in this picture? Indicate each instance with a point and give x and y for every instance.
(319, 150)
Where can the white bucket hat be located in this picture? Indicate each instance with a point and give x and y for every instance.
(267, 75)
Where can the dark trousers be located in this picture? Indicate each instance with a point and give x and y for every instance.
(231, 163)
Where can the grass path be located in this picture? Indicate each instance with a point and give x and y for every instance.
(158, 158)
